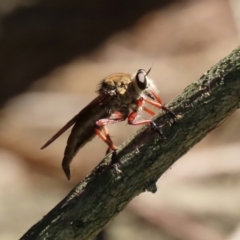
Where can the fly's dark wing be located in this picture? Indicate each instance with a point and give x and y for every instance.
(60, 132)
(95, 102)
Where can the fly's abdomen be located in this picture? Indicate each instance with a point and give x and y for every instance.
(79, 136)
(82, 132)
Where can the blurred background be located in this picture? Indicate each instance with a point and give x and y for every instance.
(53, 55)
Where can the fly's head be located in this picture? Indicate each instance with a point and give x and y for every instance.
(143, 85)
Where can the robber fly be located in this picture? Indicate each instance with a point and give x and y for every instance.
(121, 96)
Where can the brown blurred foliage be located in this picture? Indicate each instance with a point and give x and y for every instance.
(60, 50)
(36, 39)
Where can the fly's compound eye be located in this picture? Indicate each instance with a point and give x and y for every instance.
(141, 79)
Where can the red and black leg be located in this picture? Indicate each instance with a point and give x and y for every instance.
(159, 104)
(114, 118)
(101, 124)
(133, 115)
(132, 121)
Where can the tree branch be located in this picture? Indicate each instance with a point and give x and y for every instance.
(145, 157)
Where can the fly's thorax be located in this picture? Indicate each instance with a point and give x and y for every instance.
(119, 88)
(115, 84)
(126, 100)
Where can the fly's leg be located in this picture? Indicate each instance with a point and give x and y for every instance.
(133, 115)
(159, 104)
(114, 154)
(149, 111)
(106, 133)
(132, 121)
(106, 139)
(114, 118)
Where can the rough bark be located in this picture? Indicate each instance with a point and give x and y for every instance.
(145, 157)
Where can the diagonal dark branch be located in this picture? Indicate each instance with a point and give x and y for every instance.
(145, 157)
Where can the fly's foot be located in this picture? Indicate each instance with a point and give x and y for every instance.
(114, 157)
(157, 129)
(114, 162)
(168, 110)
